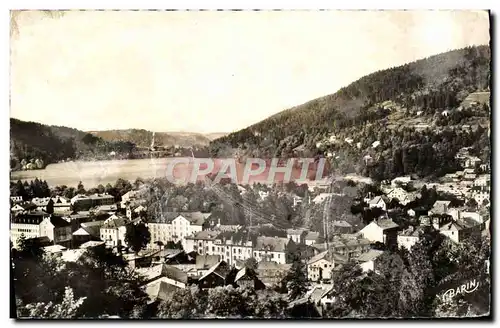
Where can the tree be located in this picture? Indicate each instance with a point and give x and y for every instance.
(251, 263)
(80, 189)
(67, 309)
(296, 279)
(50, 207)
(137, 236)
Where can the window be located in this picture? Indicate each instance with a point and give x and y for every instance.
(326, 265)
(213, 249)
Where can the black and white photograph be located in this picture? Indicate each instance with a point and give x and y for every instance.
(250, 164)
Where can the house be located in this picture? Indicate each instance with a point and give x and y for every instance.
(186, 224)
(320, 267)
(400, 181)
(409, 237)
(411, 212)
(83, 202)
(159, 290)
(297, 235)
(134, 210)
(202, 242)
(483, 181)
(167, 273)
(216, 276)
(16, 199)
(248, 278)
(321, 198)
(458, 230)
(88, 231)
(57, 230)
(205, 262)
(341, 226)
(17, 208)
(381, 230)
(368, 261)
(311, 238)
(440, 207)
(54, 250)
(113, 231)
(270, 249)
(401, 195)
(378, 201)
(481, 197)
(92, 244)
(349, 245)
(471, 161)
(26, 224)
(272, 273)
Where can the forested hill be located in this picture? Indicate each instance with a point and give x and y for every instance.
(41, 144)
(412, 113)
(142, 138)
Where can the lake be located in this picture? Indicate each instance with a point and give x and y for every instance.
(103, 172)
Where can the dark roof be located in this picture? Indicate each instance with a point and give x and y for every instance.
(59, 222)
(206, 261)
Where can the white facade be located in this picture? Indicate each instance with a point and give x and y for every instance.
(373, 233)
(113, 236)
(160, 232)
(407, 241)
(28, 230)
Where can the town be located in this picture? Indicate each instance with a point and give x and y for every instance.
(173, 247)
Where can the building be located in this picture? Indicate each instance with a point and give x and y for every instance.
(205, 262)
(216, 276)
(381, 230)
(483, 181)
(166, 273)
(248, 278)
(272, 273)
(440, 207)
(368, 261)
(400, 181)
(57, 230)
(342, 227)
(186, 224)
(458, 230)
(16, 199)
(270, 249)
(321, 266)
(27, 225)
(401, 195)
(113, 231)
(175, 227)
(202, 242)
(83, 202)
(349, 245)
(482, 197)
(297, 235)
(311, 238)
(379, 202)
(409, 237)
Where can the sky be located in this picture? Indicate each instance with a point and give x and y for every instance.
(208, 71)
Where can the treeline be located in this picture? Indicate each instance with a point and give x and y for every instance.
(52, 144)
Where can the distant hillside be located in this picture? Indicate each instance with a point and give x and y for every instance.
(31, 141)
(404, 110)
(142, 138)
(216, 135)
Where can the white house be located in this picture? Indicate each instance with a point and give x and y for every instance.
(367, 261)
(401, 195)
(113, 231)
(320, 267)
(379, 230)
(379, 202)
(56, 229)
(409, 237)
(270, 249)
